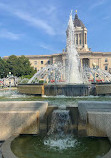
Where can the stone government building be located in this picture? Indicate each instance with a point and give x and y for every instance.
(87, 57)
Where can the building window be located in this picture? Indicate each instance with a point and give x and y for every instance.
(49, 62)
(42, 62)
(35, 68)
(106, 67)
(106, 60)
(85, 62)
(35, 62)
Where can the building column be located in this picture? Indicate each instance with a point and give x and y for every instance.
(84, 39)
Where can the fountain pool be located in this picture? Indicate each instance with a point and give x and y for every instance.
(13, 95)
(33, 147)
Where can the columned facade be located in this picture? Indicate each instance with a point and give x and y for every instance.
(80, 35)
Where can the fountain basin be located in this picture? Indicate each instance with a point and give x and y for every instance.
(29, 146)
(35, 89)
(57, 89)
(103, 88)
(92, 119)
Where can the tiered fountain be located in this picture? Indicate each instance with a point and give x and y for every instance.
(74, 81)
(61, 125)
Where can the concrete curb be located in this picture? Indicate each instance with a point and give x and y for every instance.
(6, 148)
(108, 155)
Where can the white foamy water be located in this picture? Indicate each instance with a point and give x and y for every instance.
(60, 134)
(62, 143)
(73, 73)
(11, 94)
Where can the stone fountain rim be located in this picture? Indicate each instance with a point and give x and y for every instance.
(6, 148)
(7, 152)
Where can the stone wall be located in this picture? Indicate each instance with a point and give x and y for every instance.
(57, 89)
(69, 90)
(35, 89)
(20, 117)
(90, 118)
(103, 89)
(94, 118)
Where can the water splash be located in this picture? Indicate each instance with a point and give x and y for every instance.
(61, 144)
(49, 73)
(11, 94)
(60, 134)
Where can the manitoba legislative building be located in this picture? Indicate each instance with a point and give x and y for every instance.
(88, 58)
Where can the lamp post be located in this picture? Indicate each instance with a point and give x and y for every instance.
(9, 75)
(94, 75)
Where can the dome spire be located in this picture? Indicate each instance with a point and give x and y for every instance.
(76, 16)
(77, 21)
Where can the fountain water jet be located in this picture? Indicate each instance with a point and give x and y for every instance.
(72, 70)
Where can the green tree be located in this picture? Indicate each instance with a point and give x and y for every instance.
(20, 66)
(3, 68)
(25, 66)
(12, 63)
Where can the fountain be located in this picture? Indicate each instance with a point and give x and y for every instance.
(59, 142)
(58, 79)
(56, 132)
(68, 80)
(55, 72)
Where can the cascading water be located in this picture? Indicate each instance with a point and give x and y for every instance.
(60, 133)
(72, 70)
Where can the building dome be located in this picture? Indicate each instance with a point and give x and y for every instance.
(78, 22)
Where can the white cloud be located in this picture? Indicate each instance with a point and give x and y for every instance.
(49, 48)
(36, 22)
(97, 4)
(106, 17)
(9, 35)
(31, 20)
(47, 10)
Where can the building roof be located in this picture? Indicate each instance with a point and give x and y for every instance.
(78, 22)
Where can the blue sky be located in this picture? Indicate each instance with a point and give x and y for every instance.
(33, 27)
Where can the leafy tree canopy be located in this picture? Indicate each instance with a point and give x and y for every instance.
(18, 66)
